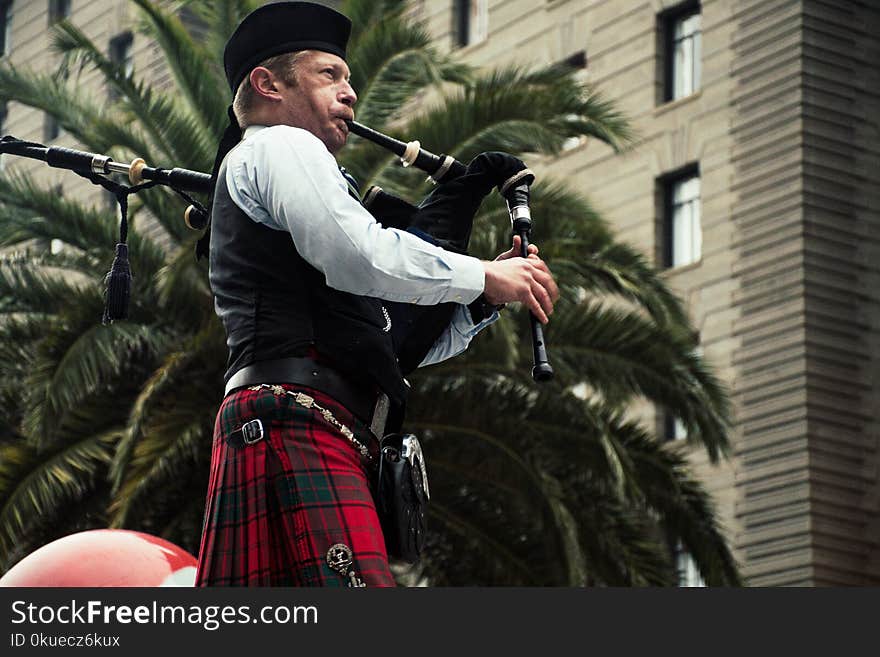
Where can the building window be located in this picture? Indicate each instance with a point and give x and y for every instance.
(576, 60)
(4, 112)
(120, 54)
(470, 21)
(51, 128)
(670, 427)
(686, 568)
(5, 27)
(58, 9)
(673, 428)
(682, 68)
(578, 63)
(682, 235)
(120, 51)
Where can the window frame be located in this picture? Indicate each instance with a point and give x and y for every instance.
(686, 572)
(59, 10)
(116, 49)
(4, 115)
(51, 127)
(577, 62)
(671, 427)
(463, 27)
(667, 184)
(6, 27)
(668, 20)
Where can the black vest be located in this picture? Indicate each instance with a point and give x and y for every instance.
(273, 304)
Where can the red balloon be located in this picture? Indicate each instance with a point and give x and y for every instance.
(105, 557)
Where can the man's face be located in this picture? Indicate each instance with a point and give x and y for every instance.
(321, 99)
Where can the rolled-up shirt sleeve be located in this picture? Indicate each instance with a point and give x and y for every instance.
(457, 336)
(285, 178)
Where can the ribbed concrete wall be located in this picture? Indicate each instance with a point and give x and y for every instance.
(785, 132)
(766, 124)
(841, 115)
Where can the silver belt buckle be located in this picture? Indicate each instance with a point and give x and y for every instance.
(252, 432)
(380, 415)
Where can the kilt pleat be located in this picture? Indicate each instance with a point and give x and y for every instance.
(275, 508)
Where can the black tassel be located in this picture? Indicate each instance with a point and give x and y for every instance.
(118, 279)
(118, 282)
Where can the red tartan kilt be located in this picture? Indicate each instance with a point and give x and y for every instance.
(275, 507)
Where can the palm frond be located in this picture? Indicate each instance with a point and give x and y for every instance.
(217, 22)
(172, 128)
(23, 290)
(621, 543)
(159, 460)
(621, 356)
(479, 543)
(196, 369)
(366, 14)
(391, 63)
(79, 116)
(683, 504)
(189, 62)
(91, 362)
(512, 95)
(42, 214)
(589, 113)
(183, 290)
(34, 484)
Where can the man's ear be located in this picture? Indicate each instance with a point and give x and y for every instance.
(263, 82)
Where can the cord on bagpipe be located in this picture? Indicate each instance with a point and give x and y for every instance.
(95, 168)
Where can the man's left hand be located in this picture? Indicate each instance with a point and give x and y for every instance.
(516, 250)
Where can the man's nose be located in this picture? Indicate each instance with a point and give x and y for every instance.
(347, 96)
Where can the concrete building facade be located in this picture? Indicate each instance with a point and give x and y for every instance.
(27, 42)
(754, 182)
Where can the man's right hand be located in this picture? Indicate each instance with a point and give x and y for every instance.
(527, 280)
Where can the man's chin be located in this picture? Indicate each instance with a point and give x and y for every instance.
(336, 142)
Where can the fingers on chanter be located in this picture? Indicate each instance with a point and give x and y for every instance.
(537, 311)
(544, 305)
(517, 246)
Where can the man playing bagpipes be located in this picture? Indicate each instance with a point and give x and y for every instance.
(325, 310)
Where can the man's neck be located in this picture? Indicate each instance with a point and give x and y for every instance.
(252, 130)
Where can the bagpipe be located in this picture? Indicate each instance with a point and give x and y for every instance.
(444, 217)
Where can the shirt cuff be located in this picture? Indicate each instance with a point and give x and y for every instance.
(479, 309)
(468, 278)
(483, 323)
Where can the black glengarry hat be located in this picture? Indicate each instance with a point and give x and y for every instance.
(282, 27)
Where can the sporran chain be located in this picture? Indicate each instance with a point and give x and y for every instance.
(306, 401)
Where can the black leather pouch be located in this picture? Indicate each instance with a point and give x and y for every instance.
(402, 496)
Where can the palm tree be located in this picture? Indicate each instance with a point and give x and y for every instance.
(532, 484)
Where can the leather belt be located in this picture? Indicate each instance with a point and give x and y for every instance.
(369, 407)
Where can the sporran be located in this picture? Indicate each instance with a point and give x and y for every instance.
(402, 496)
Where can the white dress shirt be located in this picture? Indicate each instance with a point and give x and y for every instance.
(285, 178)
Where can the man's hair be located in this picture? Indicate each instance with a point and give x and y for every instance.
(284, 66)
